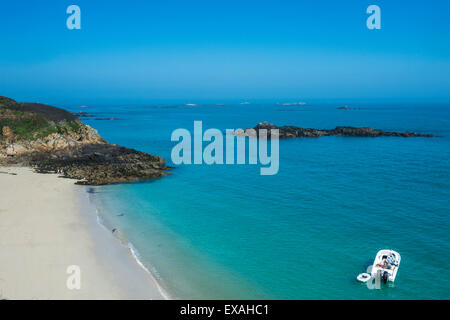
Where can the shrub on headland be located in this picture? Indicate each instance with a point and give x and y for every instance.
(31, 121)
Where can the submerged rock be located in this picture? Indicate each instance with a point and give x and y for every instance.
(349, 108)
(83, 114)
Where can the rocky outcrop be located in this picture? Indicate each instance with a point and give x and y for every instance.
(54, 140)
(94, 164)
(297, 132)
(7, 134)
(83, 114)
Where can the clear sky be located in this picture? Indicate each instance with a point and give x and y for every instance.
(146, 51)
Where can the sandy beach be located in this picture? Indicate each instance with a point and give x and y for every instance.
(46, 227)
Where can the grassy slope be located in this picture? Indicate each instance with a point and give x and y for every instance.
(33, 121)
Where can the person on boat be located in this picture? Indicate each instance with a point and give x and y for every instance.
(391, 260)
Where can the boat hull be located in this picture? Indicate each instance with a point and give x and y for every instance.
(386, 262)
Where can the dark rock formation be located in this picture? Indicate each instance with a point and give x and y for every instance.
(349, 108)
(58, 142)
(94, 164)
(83, 114)
(297, 132)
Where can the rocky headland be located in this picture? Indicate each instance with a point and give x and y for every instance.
(297, 132)
(54, 140)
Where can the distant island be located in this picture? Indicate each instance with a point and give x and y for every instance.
(297, 132)
(289, 104)
(85, 116)
(54, 140)
(348, 108)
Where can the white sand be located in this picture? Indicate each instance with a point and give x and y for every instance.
(44, 228)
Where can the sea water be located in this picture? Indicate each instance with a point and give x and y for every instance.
(225, 231)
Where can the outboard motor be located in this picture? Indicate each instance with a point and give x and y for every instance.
(378, 279)
(385, 277)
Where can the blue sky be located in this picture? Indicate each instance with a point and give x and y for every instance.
(150, 51)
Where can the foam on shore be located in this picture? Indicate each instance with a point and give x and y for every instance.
(124, 242)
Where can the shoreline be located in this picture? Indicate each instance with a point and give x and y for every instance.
(92, 209)
(48, 226)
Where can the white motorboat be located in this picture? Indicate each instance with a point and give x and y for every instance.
(386, 265)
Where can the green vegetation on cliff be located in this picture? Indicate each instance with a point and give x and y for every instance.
(52, 140)
(30, 121)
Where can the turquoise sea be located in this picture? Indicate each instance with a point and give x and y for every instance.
(225, 231)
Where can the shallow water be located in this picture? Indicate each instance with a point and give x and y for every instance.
(224, 231)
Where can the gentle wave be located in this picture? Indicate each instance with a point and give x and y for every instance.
(134, 252)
